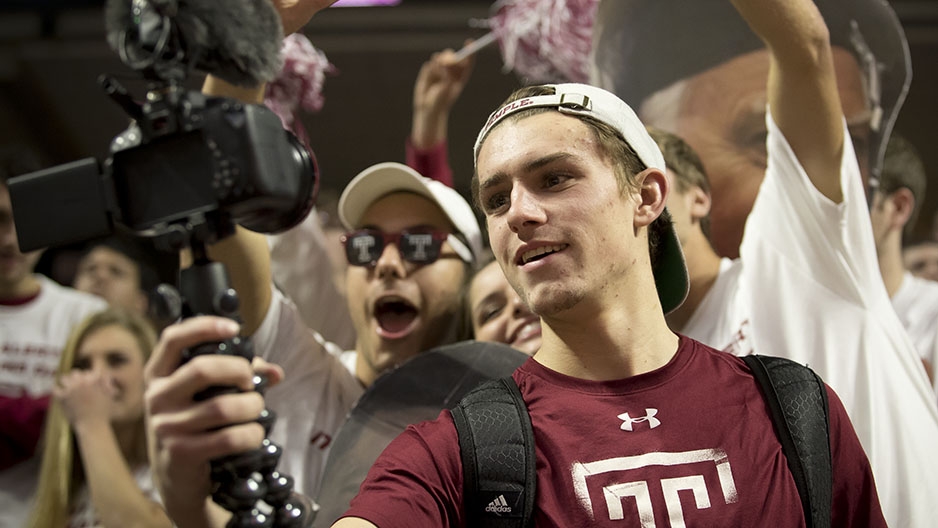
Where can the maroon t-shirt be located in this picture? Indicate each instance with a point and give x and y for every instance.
(689, 444)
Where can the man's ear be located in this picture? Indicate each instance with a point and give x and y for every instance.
(903, 204)
(653, 196)
(699, 203)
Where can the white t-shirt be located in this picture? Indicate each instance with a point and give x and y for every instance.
(916, 303)
(32, 336)
(807, 287)
(314, 397)
(721, 317)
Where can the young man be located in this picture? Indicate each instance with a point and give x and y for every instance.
(36, 317)
(689, 205)
(396, 320)
(298, 253)
(600, 325)
(896, 204)
(573, 191)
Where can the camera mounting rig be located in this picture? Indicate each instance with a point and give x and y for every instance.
(187, 170)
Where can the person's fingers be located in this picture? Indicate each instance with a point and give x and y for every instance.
(273, 372)
(447, 57)
(424, 72)
(64, 381)
(177, 390)
(70, 381)
(108, 384)
(176, 338)
(435, 71)
(220, 411)
(294, 14)
(203, 447)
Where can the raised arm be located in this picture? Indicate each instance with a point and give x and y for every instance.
(802, 87)
(438, 85)
(246, 254)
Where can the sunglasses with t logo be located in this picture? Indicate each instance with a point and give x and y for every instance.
(364, 247)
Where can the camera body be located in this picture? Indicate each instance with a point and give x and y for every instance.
(189, 165)
(186, 158)
(219, 154)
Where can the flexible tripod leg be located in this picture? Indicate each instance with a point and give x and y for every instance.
(247, 484)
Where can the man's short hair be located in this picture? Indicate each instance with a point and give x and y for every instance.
(682, 160)
(903, 168)
(685, 164)
(612, 146)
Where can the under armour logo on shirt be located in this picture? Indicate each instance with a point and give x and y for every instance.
(649, 417)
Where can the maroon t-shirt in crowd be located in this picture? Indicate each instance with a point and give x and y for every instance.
(689, 444)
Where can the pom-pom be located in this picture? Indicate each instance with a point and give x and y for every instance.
(545, 40)
(299, 84)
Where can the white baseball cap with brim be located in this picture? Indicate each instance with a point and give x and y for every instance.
(669, 270)
(385, 178)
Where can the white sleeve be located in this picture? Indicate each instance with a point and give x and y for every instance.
(313, 399)
(302, 270)
(812, 285)
(831, 241)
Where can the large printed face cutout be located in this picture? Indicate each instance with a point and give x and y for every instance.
(721, 114)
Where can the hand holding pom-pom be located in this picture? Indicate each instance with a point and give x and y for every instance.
(545, 40)
(299, 84)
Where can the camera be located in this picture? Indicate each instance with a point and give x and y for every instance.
(187, 169)
(188, 162)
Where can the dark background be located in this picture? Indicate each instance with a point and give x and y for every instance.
(51, 52)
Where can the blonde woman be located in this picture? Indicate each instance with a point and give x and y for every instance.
(94, 467)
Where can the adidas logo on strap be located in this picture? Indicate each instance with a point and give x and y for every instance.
(499, 505)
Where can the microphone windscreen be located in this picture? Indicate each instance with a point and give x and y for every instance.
(235, 40)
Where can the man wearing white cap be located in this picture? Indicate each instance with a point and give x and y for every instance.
(411, 246)
(633, 425)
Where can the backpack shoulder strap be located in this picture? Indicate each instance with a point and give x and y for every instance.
(496, 442)
(797, 400)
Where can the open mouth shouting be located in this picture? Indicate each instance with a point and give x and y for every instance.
(396, 316)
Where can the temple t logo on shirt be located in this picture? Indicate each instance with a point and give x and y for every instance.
(628, 421)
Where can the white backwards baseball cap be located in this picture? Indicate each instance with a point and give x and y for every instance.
(584, 100)
(390, 177)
